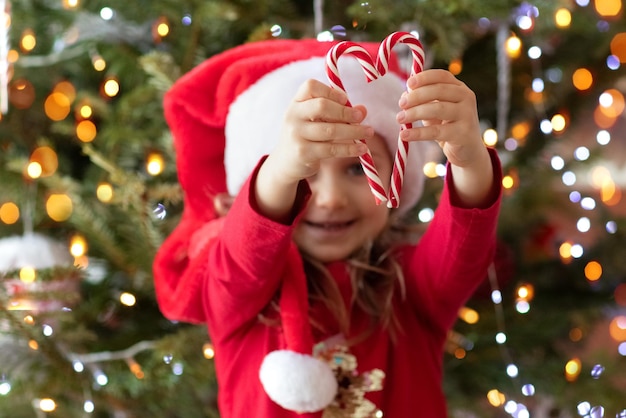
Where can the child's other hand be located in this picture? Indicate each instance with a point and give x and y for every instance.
(317, 125)
(448, 110)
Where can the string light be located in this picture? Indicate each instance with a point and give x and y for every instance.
(86, 131)
(9, 213)
(78, 245)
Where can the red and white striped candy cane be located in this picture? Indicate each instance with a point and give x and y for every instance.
(382, 64)
(371, 73)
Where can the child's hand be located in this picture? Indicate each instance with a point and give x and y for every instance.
(448, 110)
(318, 125)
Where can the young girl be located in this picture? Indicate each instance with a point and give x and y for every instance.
(303, 255)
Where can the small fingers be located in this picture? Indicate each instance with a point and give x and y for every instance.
(313, 89)
(330, 131)
(335, 149)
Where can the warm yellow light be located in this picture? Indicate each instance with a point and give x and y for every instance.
(34, 170)
(608, 8)
(558, 123)
(9, 213)
(163, 29)
(513, 46)
(154, 164)
(508, 182)
(455, 66)
(460, 353)
(70, 4)
(47, 405)
(582, 79)
(468, 315)
(562, 18)
(59, 207)
(593, 271)
(57, 106)
(33, 345)
(111, 87)
(78, 245)
(496, 398)
(86, 130)
(565, 250)
(572, 369)
(28, 41)
(208, 351)
(104, 192)
(490, 137)
(526, 292)
(99, 64)
(520, 130)
(28, 274)
(430, 169)
(128, 299)
(85, 111)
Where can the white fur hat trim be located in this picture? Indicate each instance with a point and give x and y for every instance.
(298, 382)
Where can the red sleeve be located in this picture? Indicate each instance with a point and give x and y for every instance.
(453, 256)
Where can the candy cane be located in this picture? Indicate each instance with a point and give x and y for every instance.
(371, 73)
(382, 65)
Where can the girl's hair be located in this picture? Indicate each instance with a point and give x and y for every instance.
(376, 276)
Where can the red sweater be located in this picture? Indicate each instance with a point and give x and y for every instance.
(233, 278)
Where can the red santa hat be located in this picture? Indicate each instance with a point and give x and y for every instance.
(225, 114)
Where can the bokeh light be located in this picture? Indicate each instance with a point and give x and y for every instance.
(59, 207)
(9, 213)
(86, 130)
(608, 8)
(582, 79)
(47, 158)
(618, 47)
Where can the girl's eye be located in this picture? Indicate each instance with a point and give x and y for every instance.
(355, 169)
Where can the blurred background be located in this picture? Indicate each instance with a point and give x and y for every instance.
(88, 191)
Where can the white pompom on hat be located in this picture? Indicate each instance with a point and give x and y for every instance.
(225, 115)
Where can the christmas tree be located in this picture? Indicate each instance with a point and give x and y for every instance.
(88, 192)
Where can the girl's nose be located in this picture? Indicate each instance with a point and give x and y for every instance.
(329, 193)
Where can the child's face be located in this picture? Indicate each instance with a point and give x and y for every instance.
(342, 214)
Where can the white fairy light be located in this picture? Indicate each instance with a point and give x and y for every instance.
(496, 296)
(569, 178)
(534, 52)
(583, 224)
(581, 153)
(557, 163)
(538, 85)
(603, 137)
(546, 126)
(588, 203)
(426, 215)
(512, 370)
(577, 251)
